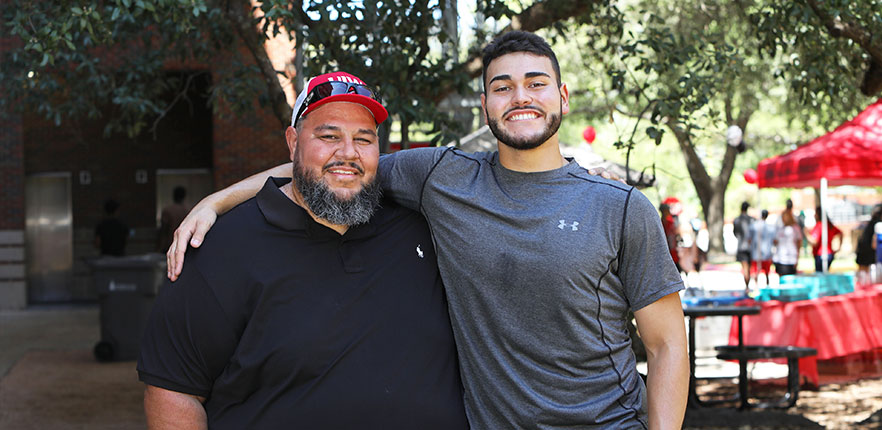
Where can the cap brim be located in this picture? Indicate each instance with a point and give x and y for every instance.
(377, 110)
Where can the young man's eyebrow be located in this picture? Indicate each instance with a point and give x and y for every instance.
(536, 74)
(527, 75)
(500, 78)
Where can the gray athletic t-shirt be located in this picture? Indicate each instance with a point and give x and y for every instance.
(541, 270)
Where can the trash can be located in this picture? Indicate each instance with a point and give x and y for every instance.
(126, 287)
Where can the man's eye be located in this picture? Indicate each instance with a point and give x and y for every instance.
(538, 84)
(500, 89)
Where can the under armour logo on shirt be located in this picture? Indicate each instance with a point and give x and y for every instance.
(563, 223)
(419, 251)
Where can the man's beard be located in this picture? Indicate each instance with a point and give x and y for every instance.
(524, 143)
(324, 204)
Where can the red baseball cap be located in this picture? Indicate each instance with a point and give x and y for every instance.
(337, 87)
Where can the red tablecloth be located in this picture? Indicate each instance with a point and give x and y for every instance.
(836, 326)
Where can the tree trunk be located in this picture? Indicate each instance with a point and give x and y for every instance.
(714, 217)
(384, 137)
(405, 134)
(711, 191)
(250, 35)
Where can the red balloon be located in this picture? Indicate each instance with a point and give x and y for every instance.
(750, 176)
(589, 134)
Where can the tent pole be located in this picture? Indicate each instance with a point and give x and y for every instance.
(824, 251)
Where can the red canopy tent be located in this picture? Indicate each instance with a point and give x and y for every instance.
(849, 155)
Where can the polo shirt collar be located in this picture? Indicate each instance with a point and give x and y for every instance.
(280, 211)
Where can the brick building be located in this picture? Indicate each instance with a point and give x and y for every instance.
(54, 181)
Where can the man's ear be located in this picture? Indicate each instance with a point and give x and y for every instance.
(484, 108)
(564, 99)
(291, 140)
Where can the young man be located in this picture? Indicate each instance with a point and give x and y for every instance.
(111, 233)
(741, 229)
(170, 218)
(541, 262)
(834, 242)
(762, 237)
(289, 317)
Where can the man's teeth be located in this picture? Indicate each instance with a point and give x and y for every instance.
(522, 116)
(341, 172)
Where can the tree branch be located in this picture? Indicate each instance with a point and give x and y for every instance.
(255, 43)
(535, 17)
(849, 29)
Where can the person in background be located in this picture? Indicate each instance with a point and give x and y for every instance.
(741, 229)
(787, 241)
(672, 236)
(762, 236)
(834, 241)
(692, 257)
(170, 218)
(865, 253)
(877, 245)
(111, 233)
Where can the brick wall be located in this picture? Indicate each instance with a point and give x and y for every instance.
(247, 144)
(101, 167)
(12, 261)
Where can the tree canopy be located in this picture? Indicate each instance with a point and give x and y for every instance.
(679, 70)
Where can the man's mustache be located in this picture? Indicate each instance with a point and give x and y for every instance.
(524, 107)
(344, 163)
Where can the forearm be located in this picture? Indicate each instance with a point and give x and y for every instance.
(667, 382)
(227, 198)
(661, 326)
(170, 410)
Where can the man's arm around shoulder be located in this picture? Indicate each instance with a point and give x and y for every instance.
(168, 410)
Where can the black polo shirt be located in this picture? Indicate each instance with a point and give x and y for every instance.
(284, 323)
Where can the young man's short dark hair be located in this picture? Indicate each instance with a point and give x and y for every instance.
(110, 206)
(518, 41)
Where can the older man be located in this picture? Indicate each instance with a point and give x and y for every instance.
(312, 306)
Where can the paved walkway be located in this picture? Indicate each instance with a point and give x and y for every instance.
(46, 327)
(68, 332)
(49, 379)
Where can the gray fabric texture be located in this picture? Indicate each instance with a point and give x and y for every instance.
(540, 270)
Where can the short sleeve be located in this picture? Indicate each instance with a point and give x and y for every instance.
(647, 271)
(404, 173)
(188, 340)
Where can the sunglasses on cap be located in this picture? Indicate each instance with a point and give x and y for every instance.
(335, 88)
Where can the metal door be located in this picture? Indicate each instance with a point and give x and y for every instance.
(49, 237)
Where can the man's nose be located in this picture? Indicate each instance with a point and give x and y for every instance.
(521, 96)
(347, 149)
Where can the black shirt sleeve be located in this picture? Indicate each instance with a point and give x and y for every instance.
(188, 340)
